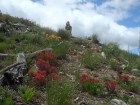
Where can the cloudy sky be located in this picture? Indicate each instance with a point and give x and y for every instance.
(112, 20)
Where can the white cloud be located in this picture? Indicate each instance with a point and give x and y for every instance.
(117, 9)
(86, 18)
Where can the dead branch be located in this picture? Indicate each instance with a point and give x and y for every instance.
(7, 55)
(12, 65)
(15, 72)
(34, 53)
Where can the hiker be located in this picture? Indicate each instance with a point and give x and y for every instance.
(68, 27)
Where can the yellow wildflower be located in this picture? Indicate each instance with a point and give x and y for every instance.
(47, 35)
(58, 37)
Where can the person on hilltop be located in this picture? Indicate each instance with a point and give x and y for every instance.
(68, 27)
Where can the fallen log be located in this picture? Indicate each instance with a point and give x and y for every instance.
(14, 73)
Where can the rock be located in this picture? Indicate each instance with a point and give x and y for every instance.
(72, 77)
(103, 55)
(80, 53)
(134, 71)
(76, 99)
(82, 103)
(123, 67)
(61, 73)
(117, 102)
(1, 25)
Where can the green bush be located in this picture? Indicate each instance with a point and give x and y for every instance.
(31, 38)
(113, 64)
(90, 60)
(94, 88)
(2, 47)
(111, 50)
(61, 49)
(95, 39)
(6, 96)
(138, 65)
(2, 38)
(107, 78)
(65, 35)
(49, 31)
(26, 92)
(36, 39)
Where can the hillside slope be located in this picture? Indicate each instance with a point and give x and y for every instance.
(88, 73)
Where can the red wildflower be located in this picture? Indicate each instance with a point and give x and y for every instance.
(53, 68)
(93, 80)
(113, 83)
(31, 73)
(110, 86)
(84, 77)
(55, 76)
(119, 74)
(38, 77)
(106, 83)
(43, 71)
(125, 77)
(46, 79)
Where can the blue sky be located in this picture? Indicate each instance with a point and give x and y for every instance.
(112, 20)
(133, 20)
(135, 51)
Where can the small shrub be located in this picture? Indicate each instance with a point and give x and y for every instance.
(90, 60)
(113, 64)
(26, 92)
(133, 86)
(65, 35)
(30, 38)
(138, 65)
(6, 96)
(107, 78)
(2, 38)
(111, 50)
(111, 86)
(61, 49)
(36, 39)
(95, 39)
(91, 85)
(129, 67)
(46, 71)
(129, 82)
(49, 31)
(2, 47)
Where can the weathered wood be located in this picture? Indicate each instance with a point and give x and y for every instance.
(15, 72)
(7, 55)
(37, 52)
(15, 64)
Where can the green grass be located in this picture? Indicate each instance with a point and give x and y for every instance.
(65, 35)
(90, 60)
(59, 92)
